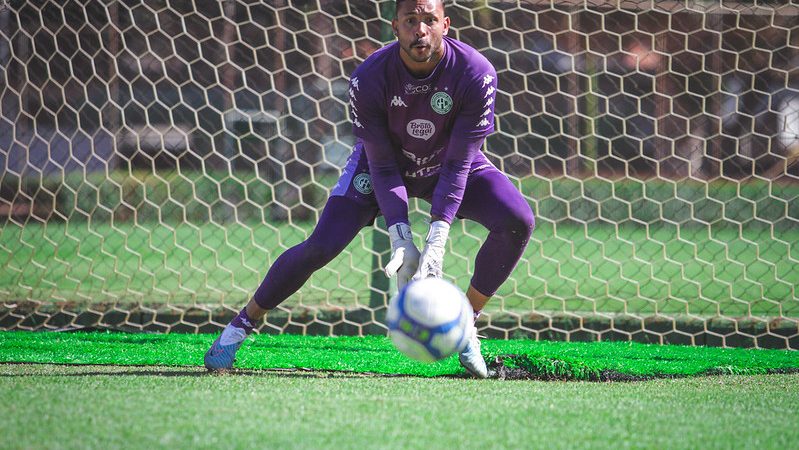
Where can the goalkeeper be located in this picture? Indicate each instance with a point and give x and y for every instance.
(420, 108)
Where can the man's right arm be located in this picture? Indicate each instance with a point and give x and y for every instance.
(369, 123)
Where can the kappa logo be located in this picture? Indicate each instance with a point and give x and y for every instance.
(412, 89)
(353, 106)
(397, 101)
(421, 129)
(489, 96)
(363, 183)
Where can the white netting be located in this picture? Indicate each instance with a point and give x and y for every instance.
(157, 156)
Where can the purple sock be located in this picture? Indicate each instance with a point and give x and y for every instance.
(243, 321)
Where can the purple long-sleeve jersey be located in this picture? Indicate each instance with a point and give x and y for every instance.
(413, 129)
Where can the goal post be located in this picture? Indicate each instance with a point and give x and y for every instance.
(157, 156)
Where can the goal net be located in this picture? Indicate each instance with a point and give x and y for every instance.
(157, 156)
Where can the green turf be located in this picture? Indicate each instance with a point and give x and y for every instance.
(102, 407)
(375, 354)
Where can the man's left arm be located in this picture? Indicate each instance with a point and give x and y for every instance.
(474, 122)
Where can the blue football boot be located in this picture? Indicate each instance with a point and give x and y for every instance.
(222, 355)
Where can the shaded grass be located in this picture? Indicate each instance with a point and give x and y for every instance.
(47, 406)
(375, 354)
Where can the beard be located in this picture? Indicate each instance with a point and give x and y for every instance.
(422, 50)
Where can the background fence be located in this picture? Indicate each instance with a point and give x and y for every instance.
(156, 156)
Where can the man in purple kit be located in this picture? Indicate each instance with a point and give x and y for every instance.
(421, 108)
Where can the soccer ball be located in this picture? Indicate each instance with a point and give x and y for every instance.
(429, 320)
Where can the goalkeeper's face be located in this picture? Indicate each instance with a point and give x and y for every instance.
(420, 27)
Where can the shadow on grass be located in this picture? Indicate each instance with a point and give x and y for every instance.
(506, 368)
(80, 370)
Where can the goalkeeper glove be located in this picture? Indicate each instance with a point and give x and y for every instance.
(404, 254)
(431, 262)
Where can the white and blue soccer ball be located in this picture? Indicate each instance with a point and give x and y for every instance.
(429, 319)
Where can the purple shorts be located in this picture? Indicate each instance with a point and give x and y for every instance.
(356, 183)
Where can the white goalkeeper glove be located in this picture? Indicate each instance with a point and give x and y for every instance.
(431, 263)
(404, 254)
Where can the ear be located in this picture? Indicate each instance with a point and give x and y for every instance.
(446, 25)
(394, 27)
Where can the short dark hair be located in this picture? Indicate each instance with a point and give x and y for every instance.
(398, 2)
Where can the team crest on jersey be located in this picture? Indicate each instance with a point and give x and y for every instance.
(363, 183)
(421, 129)
(441, 102)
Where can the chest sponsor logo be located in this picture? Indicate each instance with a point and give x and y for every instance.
(423, 172)
(363, 183)
(413, 89)
(397, 101)
(421, 160)
(421, 129)
(441, 102)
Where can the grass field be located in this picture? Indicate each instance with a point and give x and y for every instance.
(46, 406)
(148, 391)
(565, 268)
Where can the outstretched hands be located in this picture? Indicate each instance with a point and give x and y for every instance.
(404, 254)
(431, 262)
(407, 263)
